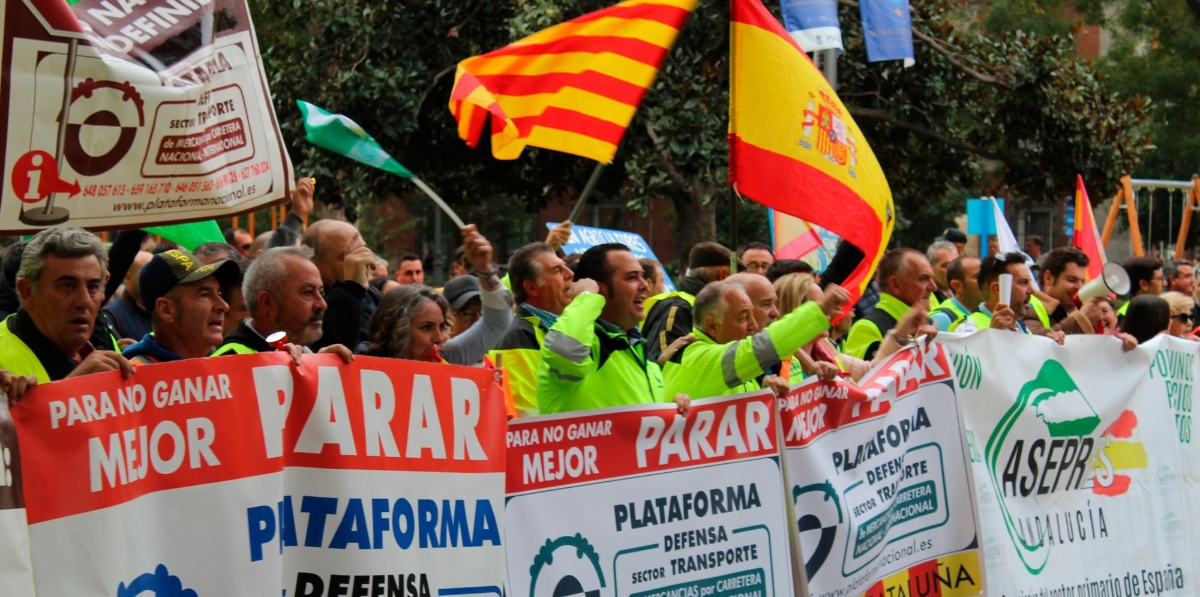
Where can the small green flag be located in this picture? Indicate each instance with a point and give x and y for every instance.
(190, 236)
(342, 135)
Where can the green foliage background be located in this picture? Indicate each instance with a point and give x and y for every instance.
(1006, 112)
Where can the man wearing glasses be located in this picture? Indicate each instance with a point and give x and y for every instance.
(1145, 277)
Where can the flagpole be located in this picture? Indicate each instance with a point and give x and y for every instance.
(51, 215)
(733, 256)
(438, 200)
(587, 191)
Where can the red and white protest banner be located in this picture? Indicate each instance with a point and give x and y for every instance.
(16, 572)
(879, 477)
(246, 475)
(642, 501)
(124, 114)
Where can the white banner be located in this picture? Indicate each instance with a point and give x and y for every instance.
(246, 475)
(640, 501)
(127, 114)
(880, 480)
(16, 572)
(1080, 476)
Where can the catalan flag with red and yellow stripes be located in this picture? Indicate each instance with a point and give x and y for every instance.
(573, 87)
(793, 145)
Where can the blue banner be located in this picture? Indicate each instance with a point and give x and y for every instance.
(813, 24)
(981, 217)
(586, 237)
(887, 30)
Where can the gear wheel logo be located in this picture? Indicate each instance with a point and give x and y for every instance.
(160, 583)
(575, 572)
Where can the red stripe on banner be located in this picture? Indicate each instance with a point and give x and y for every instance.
(574, 122)
(557, 451)
(633, 49)
(924, 575)
(598, 83)
(665, 14)
(812, 411)
(95, 442)
(798, 189)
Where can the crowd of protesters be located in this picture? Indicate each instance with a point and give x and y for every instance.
(564, 332)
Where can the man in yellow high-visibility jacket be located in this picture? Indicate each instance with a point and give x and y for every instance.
(61, 286)
(940, 254)
(905, 279)
(731, 352)
(541, 285)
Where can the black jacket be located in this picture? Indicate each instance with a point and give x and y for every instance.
(670, 319)
(349, 311)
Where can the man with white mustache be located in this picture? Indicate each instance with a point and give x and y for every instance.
(284, 293)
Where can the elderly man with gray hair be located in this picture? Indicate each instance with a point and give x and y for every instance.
(61, 286)
(285, 298)
(731, 352)
(941, 254)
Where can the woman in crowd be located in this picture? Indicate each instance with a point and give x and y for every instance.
(1181, 322)
(1107, 323)
(1148, 316)
(413, 321)
(821, 356)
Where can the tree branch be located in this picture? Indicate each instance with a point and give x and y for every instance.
(1194, 6)
(952, 59)
(983, 77)
(432, 84)
(366, 50)
(664, 161)
(885, 117)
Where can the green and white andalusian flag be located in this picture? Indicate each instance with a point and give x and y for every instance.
(342, 135)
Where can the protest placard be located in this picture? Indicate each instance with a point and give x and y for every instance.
(16, 572)
(246, 475)
(1078, 463)
(641, 501)
(166, 115)
(880, 481)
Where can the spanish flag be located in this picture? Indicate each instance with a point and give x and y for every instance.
(573, 87)
(1087, 238)
(793, 146)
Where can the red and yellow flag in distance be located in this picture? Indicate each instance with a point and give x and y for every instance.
(573, 87)
(792, 144)
(1087, 237)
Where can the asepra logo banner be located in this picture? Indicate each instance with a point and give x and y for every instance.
(1075, 449)
(248, 475)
